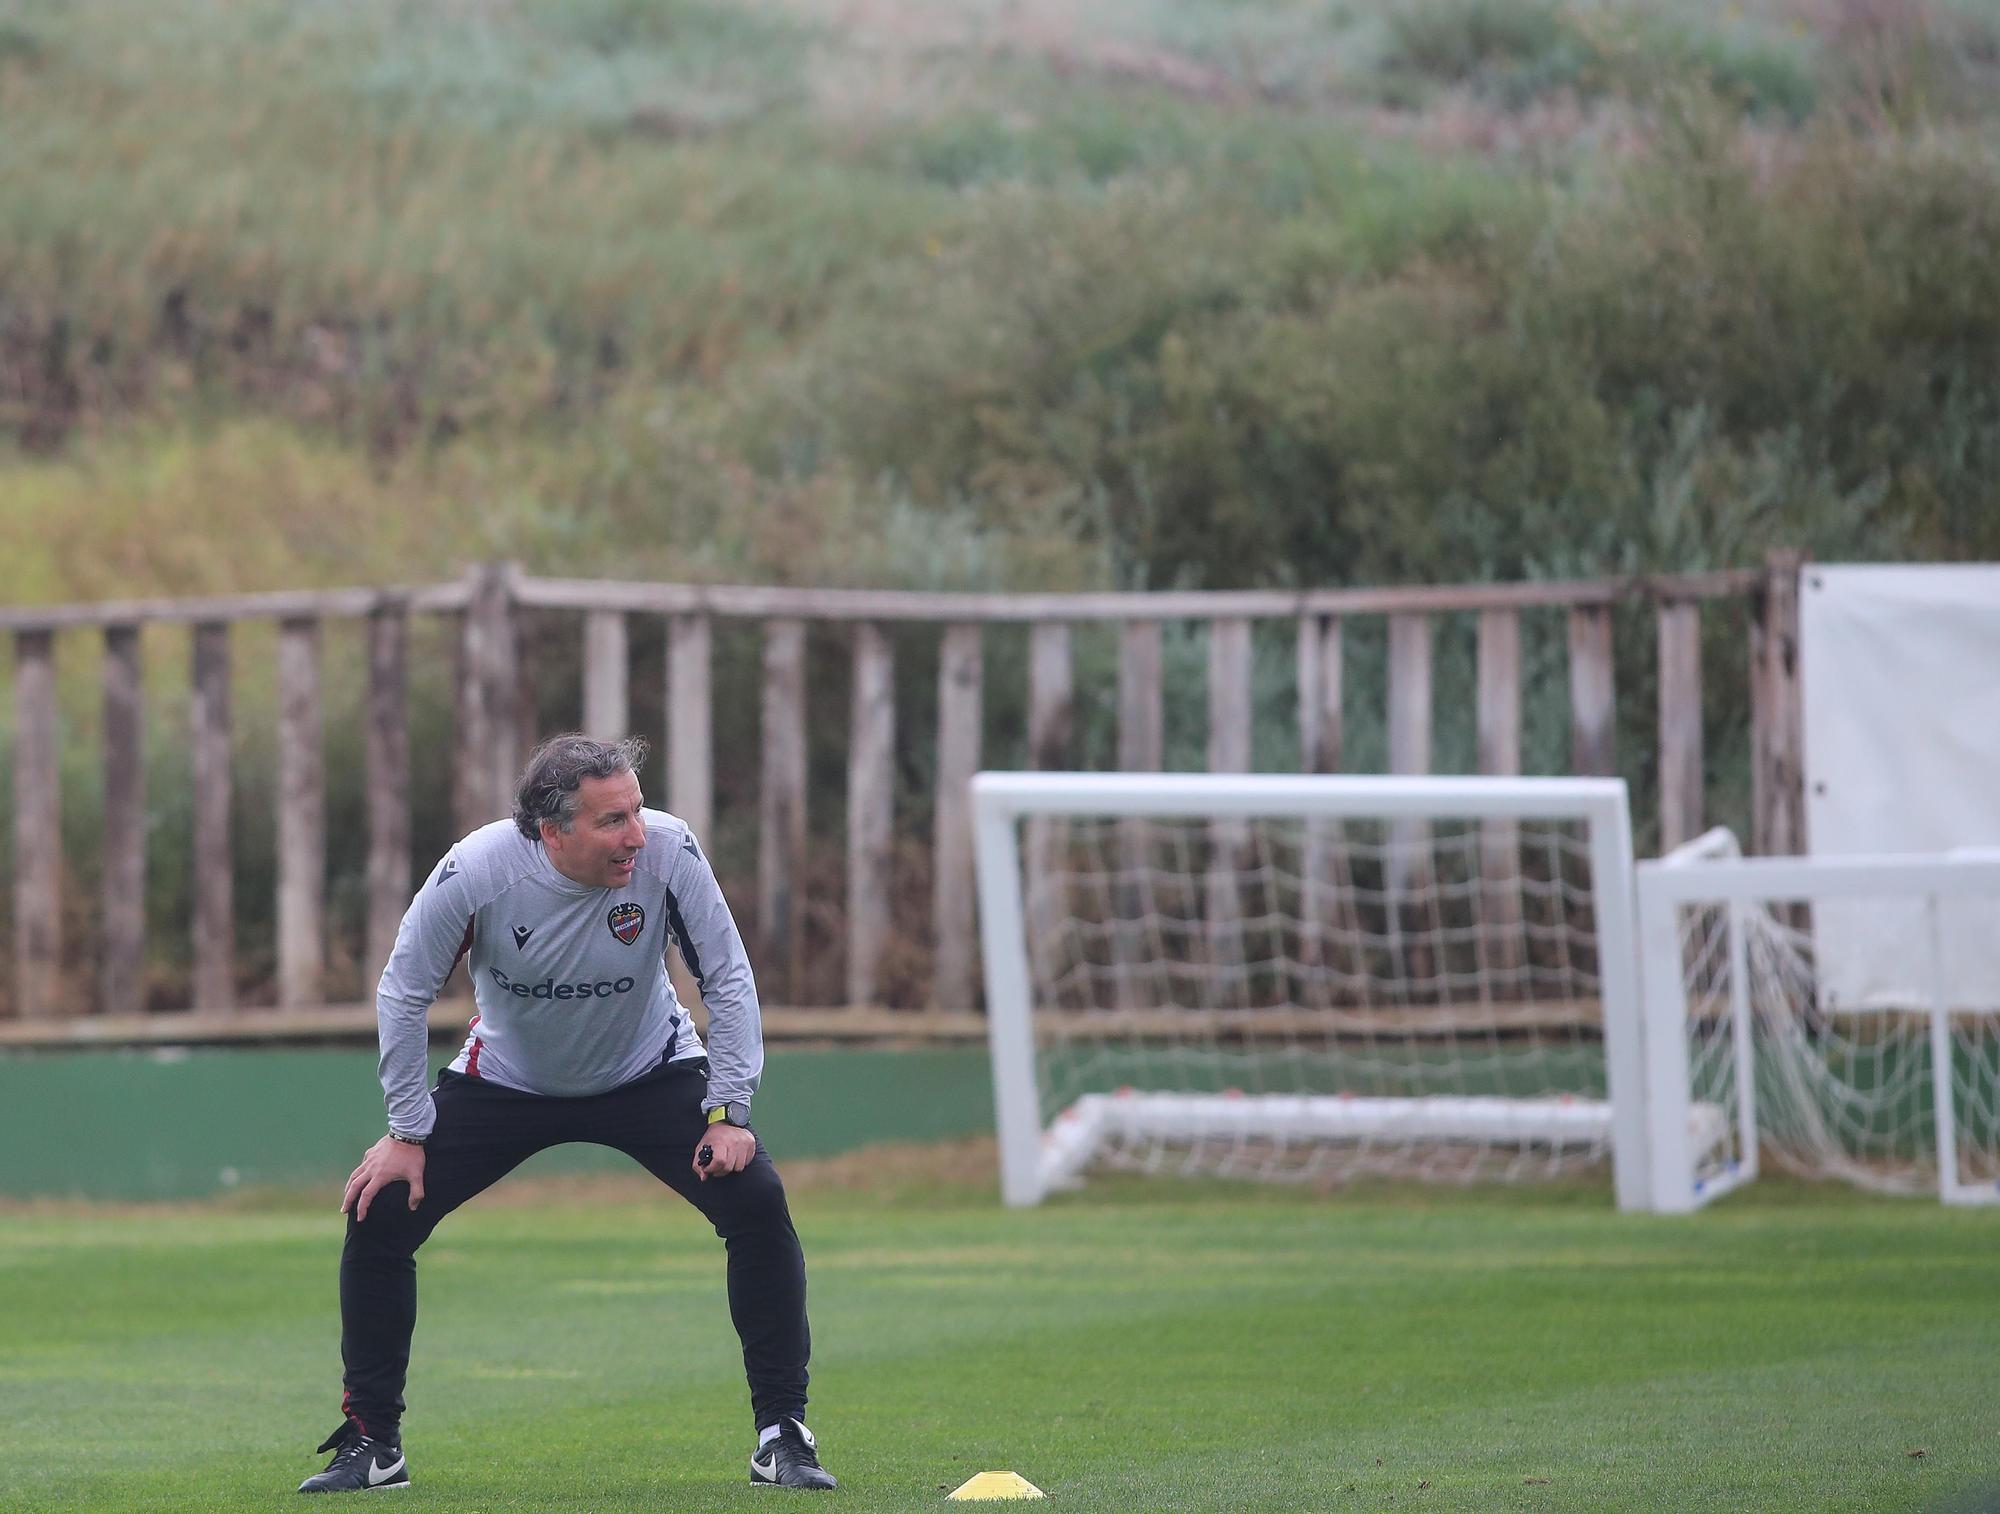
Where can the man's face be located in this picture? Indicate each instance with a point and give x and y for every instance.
(604, 840)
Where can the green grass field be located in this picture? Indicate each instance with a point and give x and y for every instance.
(1144, 1348)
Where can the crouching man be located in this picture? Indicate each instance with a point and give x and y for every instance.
(566, 912)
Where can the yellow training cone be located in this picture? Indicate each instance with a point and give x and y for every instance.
(996, 1485)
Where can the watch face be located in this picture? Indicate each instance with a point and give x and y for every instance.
(737, 1114)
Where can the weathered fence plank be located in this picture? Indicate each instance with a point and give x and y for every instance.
(1326, 900)
(1305, 664)
(1320, 728)
(301, 816)
(690, 743)
(761, 603)
(1592, 700)
(1408, 872)
(1409, 694)
(468, 724)
(38, 867)
(960, 707)
(1229, 702)
(781, 830)
(1500, 693)
(1141, 733)
(319, 604)
(1141, 720)
(606, 710)
(388, 759)
(1680, 724)
(354, 1022)
(1051, 727)
(871, 810)
(1229, 696)
(121, 981)
(214, 874)
(1777, 772)
(1051, 697)
(511, 720)
(1502, 946)
(488, 704)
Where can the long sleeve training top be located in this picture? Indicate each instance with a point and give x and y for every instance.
(570, 981)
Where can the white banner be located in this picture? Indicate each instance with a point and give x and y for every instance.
(1900, 669)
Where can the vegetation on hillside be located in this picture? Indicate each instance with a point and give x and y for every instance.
(987, 293)
(1300, 290)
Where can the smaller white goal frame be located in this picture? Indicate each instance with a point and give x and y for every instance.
(1701, 875)
(1000, 801)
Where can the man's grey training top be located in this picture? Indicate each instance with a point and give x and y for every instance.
(570, 981)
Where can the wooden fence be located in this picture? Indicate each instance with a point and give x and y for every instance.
(491, 731)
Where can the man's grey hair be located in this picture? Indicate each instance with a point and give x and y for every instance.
(558, 767)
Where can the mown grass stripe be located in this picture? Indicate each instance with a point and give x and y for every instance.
(1127, 1351)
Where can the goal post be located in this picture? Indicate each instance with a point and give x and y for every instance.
(1880, 1067)
(1310, 977)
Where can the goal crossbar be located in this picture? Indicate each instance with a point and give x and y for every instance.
(1205, 796)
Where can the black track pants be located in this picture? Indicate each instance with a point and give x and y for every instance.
(483, 1132)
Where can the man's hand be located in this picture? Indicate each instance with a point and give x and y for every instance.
(731, 1146)
(387, 1161)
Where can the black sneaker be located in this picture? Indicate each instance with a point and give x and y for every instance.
(359, 1465)
(790, 1459)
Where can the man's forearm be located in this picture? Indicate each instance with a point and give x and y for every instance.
(403, 1032)
(713, 950)
(735, 1051)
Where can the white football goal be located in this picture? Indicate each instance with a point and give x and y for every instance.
(1312, 978)
(1833, 1015)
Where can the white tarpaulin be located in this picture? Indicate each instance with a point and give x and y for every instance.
(1900, 672)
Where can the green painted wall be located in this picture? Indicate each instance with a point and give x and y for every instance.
(178, 1124)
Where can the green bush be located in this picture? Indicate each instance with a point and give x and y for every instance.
(20, 46)
(1672, 370)
(1511, 50)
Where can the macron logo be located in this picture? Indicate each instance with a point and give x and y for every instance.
(521, 934)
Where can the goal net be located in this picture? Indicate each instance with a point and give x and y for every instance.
(1879, 1067)
(1309, 978)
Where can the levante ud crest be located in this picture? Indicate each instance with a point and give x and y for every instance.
(626, 921)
